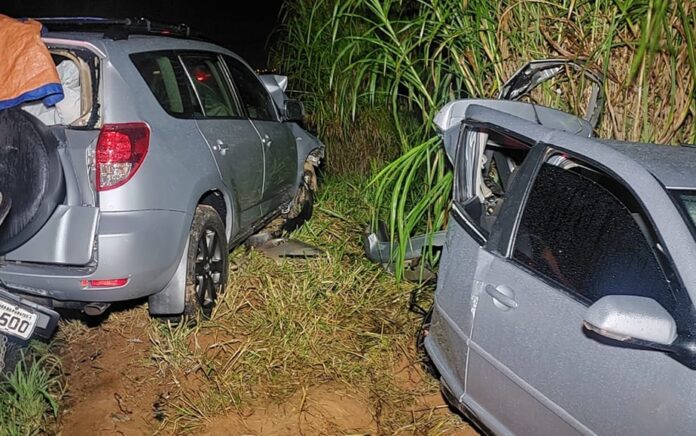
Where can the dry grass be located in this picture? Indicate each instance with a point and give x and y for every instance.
(282, 329)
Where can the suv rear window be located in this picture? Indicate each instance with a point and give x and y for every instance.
(166, 78)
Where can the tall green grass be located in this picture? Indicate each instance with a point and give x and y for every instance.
(408, 58)
(29, 393)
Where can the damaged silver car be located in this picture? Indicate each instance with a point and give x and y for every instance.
(566, 289)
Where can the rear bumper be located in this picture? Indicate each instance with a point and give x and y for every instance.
(142, 246)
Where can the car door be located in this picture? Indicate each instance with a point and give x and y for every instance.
(484, 163)
(232, 138)
(580, 235)
(280, 148)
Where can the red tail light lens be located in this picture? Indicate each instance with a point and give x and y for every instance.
(121, 149)
(108, 283)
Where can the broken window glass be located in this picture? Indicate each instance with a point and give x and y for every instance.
(576, 233)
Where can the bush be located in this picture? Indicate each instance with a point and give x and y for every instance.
(408, 58)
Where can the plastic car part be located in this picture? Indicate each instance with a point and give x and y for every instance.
(379, 250)
(537, 72)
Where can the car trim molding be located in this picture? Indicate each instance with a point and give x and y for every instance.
(467, 225)
(75, 43)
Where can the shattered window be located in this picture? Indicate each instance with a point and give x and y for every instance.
(687, 200)
(575, 232)
(485, 166)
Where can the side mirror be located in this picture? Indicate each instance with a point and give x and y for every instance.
(293, 110)
(634, 320)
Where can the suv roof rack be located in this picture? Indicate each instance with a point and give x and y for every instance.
(115, 28)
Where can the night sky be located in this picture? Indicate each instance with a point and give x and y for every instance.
(245, 30)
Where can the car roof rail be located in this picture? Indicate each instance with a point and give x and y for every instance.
(115, 28)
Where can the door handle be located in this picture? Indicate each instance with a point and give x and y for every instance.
(221, 147)
(503, 297)
(266, 140)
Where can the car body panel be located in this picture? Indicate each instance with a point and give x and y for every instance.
(143, 246)
(280, 151)
(67, 238)
(239, 156)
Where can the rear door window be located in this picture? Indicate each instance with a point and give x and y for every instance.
(212, 86)
(166, 78)
(254, 97)
(485, 164)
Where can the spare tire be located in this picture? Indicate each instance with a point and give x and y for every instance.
(31, 176)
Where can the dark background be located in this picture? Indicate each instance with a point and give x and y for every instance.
(245, 30)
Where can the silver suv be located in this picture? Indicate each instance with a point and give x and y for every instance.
(178, 153)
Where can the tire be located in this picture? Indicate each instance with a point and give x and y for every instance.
(207, 266)
(31, 178)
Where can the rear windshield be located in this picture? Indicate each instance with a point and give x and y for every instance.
(687, 200)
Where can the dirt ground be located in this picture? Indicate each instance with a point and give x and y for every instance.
(319, 346)
(112, 388)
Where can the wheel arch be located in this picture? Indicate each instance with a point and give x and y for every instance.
(223, 201)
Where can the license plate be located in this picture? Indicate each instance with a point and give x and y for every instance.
(16, 321)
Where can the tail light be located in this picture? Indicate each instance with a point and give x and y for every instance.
(107, 283)
(121, 149)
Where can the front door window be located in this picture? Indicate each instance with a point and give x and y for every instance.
(584, 232)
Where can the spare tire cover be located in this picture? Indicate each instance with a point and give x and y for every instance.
(31, 175)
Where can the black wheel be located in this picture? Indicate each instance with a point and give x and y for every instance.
(207, 266)
(31, 177)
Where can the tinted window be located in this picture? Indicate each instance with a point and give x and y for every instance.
(255, 99)
(167, 80)
(212, 87)
(577, 233)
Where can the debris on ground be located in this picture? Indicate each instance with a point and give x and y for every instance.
(281, 249)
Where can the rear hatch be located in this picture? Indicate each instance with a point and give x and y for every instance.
(68, 235)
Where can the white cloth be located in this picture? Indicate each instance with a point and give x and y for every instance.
(68, 109)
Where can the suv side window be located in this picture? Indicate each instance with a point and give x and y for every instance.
(211, 85)
(254, 97)
(167, 80)
(584, 231)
